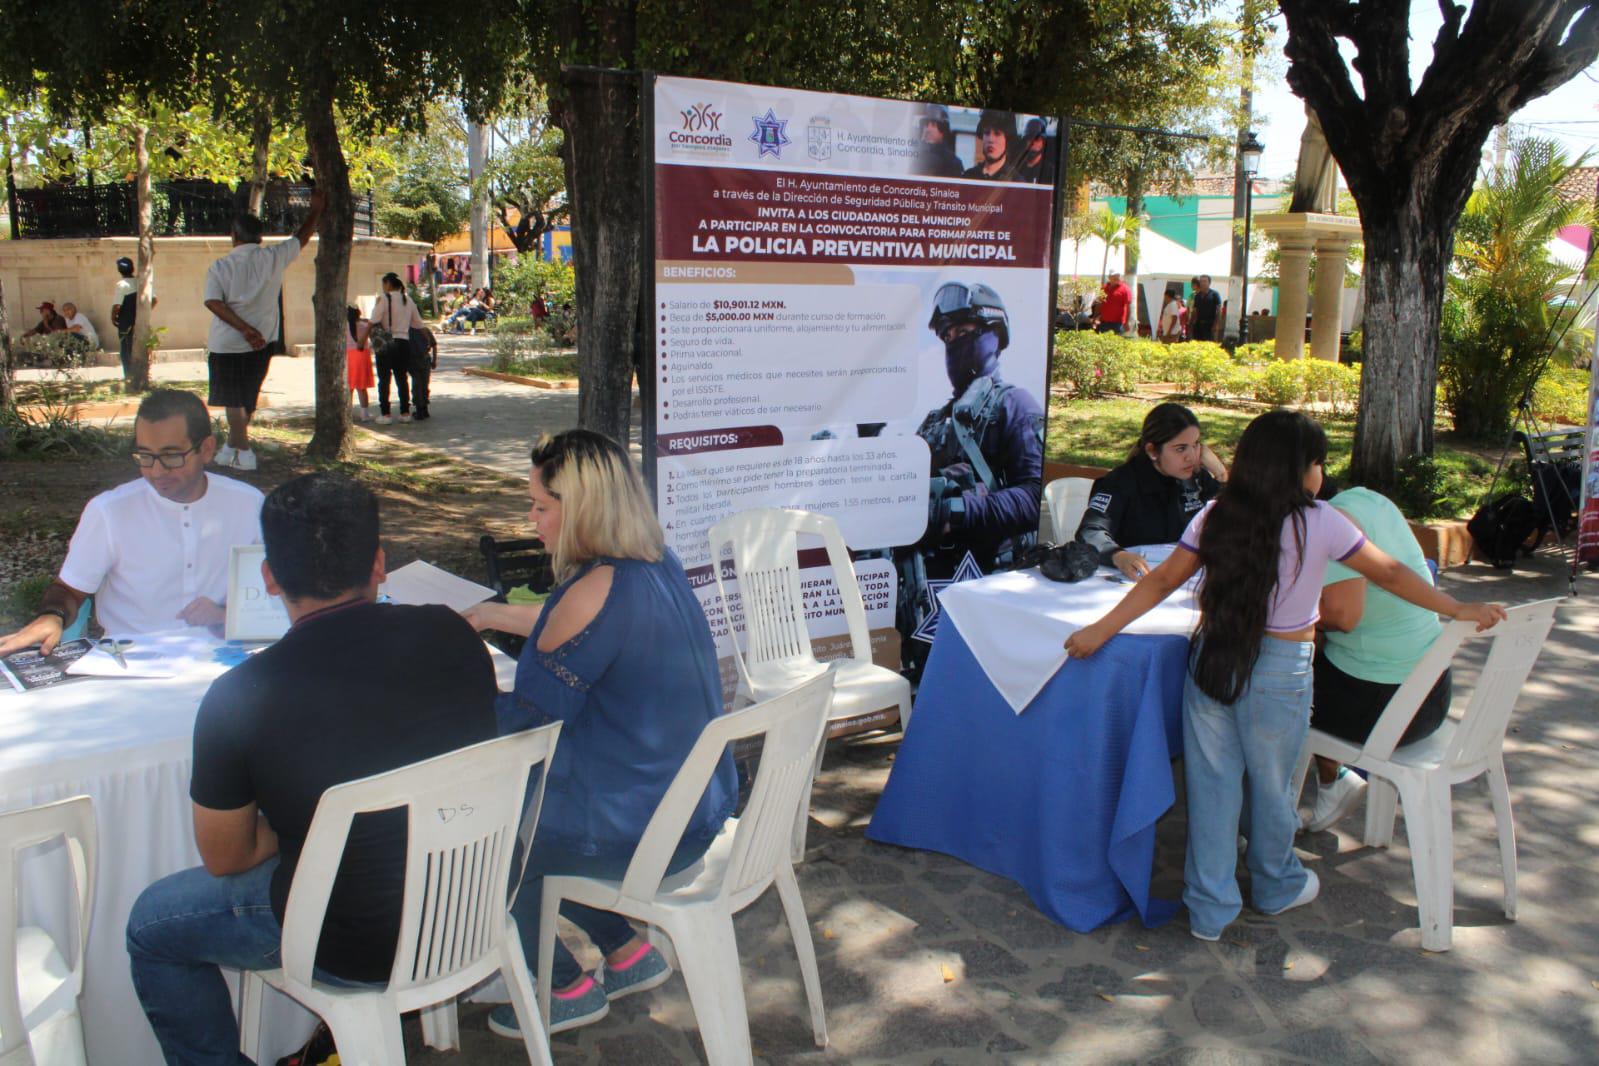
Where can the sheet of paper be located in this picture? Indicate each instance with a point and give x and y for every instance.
(420, 582)
(172, 653)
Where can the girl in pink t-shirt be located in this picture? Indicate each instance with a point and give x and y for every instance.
(1264, 543)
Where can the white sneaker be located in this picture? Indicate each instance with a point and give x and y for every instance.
(224, 456)
(1306, 895)
(405, 418)
(385, 420)
(244, 460)
(1335, 800)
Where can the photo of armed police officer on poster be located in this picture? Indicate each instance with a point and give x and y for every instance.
(987, 463)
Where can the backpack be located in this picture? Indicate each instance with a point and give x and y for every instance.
(1501, 528)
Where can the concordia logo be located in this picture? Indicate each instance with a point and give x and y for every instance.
(701, 130)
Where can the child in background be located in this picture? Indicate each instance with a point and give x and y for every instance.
(358, 363)
(1265, 544)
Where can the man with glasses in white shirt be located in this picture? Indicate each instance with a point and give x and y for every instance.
(153, 552)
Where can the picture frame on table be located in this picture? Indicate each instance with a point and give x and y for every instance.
(254, 614)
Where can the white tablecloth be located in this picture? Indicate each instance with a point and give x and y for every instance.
(127, 745)
(1016, 622)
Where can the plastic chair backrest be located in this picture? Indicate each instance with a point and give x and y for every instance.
(463, 813)
(80, 623)
(766, 562)
(19, 830)
(1067, 499)
(1515, 645)
(792, 724)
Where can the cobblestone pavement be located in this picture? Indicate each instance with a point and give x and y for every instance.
(926, 960)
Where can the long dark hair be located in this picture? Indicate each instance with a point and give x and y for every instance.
(1241, 541)
(392, 278)
(1164, 421)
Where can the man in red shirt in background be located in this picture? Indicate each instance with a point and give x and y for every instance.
(1113, 309)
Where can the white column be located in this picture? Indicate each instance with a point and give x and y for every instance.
(1293, 279)
(1327, 314)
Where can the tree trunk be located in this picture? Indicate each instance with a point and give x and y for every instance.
(260, 145)
(476, 164)
(1135, 214)
(1406, 259)
(8, 396)
(335, 235)
(138, 376)
(603, 176)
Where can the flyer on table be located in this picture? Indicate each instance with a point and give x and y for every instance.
(852, 316)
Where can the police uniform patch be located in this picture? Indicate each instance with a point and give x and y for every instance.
(1100, 502)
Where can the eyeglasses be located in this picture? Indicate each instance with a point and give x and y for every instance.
(170, 460)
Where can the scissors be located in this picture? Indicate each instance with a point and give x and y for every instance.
(115, 648)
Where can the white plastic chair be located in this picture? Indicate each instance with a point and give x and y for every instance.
(1424, 772)
(39, 989)
(1066, 498)
(695, 908)
(778, 657)
(463, 810)
(765, 546)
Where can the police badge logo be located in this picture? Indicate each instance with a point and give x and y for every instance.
(770, 136)
(820, 134)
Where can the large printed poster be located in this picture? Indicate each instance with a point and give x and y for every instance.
(851, 316)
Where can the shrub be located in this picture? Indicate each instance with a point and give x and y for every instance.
(1093, 364)
(1561, 395)
(517, 283)
(1419, 484)
(1257, 354)
(55, 432)
(1202, 368)
(1331, 383)
(1281, 384)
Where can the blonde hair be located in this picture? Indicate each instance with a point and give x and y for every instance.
(604, 508)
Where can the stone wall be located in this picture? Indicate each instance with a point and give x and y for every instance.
(84, 271)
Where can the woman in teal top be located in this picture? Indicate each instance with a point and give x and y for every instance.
(1373, 641)
(622, 655)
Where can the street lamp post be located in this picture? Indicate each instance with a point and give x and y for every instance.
(1249, 151)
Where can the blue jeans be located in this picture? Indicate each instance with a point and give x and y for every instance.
(182, 931)
(1257, 740)
(606, 930)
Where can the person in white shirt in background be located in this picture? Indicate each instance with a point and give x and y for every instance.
(241, 292)
(153, 552)
(78, 325)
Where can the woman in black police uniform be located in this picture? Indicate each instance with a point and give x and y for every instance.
(1150, 498)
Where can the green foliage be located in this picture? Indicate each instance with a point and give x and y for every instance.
(517, 283)
(1561, 395)
(1203, 368)
(19, 600)
(54, 431)
(1093, 364)
(1280, 383)
(1500, 315)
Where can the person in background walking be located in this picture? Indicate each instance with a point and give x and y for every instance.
(1205, 312)
(242, 292)
(124, 309)
(1172, 313)
(358, 362)
(394, 318)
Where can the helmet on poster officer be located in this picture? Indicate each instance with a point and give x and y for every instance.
(971, 321)
(935, 115)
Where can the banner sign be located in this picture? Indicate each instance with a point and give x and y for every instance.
(851, 315)
(1588, 515)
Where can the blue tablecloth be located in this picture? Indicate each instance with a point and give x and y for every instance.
(1062, 798)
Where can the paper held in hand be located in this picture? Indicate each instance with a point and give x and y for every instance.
(421, 583)
(253, 613)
